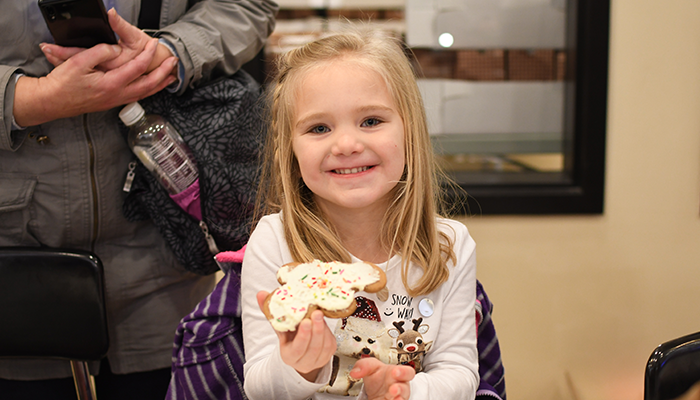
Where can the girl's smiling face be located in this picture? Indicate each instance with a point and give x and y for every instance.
(348, 137)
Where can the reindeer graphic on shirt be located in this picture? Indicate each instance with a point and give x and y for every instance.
(410, 346)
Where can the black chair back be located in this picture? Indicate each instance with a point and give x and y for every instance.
(673, 368)
(52, 305)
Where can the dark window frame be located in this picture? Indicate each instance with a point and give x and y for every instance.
(580, 188)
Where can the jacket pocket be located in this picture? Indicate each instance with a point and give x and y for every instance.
(14, 20)
(16, 192)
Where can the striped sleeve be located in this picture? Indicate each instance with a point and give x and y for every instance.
(492, 384)
(208, 358)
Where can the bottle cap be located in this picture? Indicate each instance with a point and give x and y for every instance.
(131, 113)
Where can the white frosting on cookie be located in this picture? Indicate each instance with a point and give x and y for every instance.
(330, 286)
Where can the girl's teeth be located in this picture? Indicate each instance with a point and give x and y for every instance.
(351, 170)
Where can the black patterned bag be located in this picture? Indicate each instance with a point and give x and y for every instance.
(222, 124)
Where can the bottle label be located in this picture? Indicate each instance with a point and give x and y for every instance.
(174, 161)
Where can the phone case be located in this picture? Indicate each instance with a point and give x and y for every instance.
(77, 23)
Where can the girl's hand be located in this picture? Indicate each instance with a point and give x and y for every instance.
(309, 348)
(383, 381)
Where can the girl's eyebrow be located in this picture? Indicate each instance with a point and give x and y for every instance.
(375, 107)
(363, 109)
(308, 118)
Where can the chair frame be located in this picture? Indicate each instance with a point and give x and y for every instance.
(54, 307)
(673, 368)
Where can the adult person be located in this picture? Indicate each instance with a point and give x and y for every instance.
(63, 162)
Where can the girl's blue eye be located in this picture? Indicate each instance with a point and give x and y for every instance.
(319, 129)
(369, 122)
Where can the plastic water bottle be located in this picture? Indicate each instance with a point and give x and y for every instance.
(160, 148)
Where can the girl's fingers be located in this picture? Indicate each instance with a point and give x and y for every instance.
(364, 367)
(399, 391)
(318, 326)
(284, 337)
(403, 373)
(300, 346)
(330, 345)
(261, 296)
(394, 391)
(327, 344)
(309, 345)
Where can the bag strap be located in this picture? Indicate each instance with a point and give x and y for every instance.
(149, 15)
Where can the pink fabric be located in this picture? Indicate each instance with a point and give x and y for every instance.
(231, 256)
(479, 316)
(188, 200)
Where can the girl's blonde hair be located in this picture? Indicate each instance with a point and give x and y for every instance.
(409, 226)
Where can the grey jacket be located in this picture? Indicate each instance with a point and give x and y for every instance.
(61, 182)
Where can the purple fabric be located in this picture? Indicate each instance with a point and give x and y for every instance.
(189, 201)
(208, 348)
(492, 382)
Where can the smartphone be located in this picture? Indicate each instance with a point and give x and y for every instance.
(77, 23)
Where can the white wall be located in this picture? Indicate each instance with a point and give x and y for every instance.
(581, 301)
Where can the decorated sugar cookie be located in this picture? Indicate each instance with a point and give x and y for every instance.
(328, 286)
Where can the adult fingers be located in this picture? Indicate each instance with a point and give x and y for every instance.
(145, 86)
(131, 39)
(89, 58)
(127, 33)
(55, 61)
(129, 72)
(58, 54)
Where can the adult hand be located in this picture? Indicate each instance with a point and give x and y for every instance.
(309, 348)
(76, 86)
(132, 42)
(383, 381)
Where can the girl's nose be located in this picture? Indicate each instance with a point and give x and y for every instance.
(347, 142)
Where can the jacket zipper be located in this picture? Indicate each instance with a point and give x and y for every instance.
(208, 237)
(93, 183)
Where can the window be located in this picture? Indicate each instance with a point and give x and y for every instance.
(517, 109)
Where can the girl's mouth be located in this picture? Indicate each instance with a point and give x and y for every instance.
(347, 171)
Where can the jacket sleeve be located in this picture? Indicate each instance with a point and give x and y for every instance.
(8, 140)
(492, 383)
(208, 347)
(220, 35)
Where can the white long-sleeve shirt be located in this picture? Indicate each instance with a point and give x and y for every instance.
(447, 325)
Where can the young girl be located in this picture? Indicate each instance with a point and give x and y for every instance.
(350, 176)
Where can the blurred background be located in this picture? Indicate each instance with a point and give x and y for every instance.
(581, 300)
